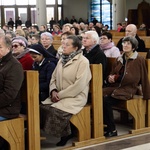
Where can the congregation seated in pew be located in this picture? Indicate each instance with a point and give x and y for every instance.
(11, 74)
(123, 81)
(69, 96)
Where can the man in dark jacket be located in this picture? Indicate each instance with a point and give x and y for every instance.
(92, 50)
(11, 77)
(131, 30)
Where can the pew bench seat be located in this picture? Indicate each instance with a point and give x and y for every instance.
(12, 131)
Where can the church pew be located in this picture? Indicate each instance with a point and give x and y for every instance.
(12, 131)
(141, 32)
(56, 44)
(30, 96)
(91, 126)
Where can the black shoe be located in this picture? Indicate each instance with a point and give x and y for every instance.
(105, 129)
(111, 133)
(64, 140)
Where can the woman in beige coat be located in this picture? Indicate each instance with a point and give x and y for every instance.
(69, 88)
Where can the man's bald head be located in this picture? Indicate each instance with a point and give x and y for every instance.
(131, 30)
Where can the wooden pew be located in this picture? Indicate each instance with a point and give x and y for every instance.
(57, 37)
(56, 44)
(148, 102)
(146, 129)
(13, 132)
(116, 33)
(136, 106)
(30, 95)
(146, 40)
(143, 54)
(141, 32)
(82, 119)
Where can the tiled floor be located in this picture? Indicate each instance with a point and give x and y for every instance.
(50, 142)
(139, 142)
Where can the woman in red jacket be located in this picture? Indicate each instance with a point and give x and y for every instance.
(20, 51)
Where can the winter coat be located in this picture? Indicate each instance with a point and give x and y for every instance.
(135, 74)
(45, 72)
(11, 78)
(72, 84)
(96, 56)
(52, 50)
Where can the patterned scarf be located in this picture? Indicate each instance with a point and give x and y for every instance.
(66, 58)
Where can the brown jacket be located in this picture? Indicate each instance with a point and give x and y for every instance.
(135, 73)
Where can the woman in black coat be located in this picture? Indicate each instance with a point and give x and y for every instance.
(45, 63)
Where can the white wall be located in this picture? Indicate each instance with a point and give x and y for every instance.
(77, 8)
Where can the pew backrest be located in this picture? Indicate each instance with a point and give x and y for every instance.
(30, 95)
(97, 100)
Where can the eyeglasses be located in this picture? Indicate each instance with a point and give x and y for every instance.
(15, 46)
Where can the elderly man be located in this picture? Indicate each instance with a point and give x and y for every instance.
(92, 49)
(131, 30)
(11, 77)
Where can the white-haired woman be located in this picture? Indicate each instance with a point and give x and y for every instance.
(46, 41)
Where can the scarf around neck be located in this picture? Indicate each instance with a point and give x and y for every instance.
(106, 46)
(66, 58)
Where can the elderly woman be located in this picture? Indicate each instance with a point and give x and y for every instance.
(20, 52)
(129, 71)
(63, 38)
(68, 91)
(46, 41)
(107, 46)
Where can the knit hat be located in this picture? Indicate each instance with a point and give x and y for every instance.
(47, 34)
(20, 40)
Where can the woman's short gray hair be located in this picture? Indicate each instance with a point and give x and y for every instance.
(132, 40)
